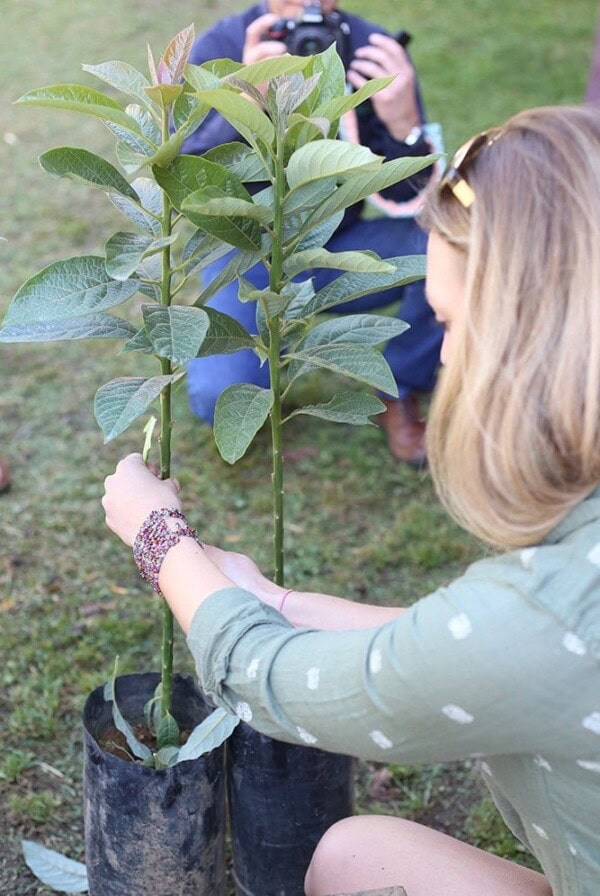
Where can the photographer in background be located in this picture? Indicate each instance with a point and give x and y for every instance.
(390, 125)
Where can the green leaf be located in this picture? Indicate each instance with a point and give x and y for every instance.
(152, 706)
(208, 735)
(240, 160)
(361, 185)
(364, 329)
(360, 262)
(129, 144)
(291, 92)
(222, 67)
(166, 758)
(407, 269)
(186, 175)
(122, 77)
(241, 113)
(318, 236)
(139, 342)
(164, 94)
(75, 98)
(332, 82)
(139, 750)
(339, 105)
(347, 407)
(327, 158)
(188, 113)
(240, 412)
(118, 403)
(235, 221)
(268, 69)
(176, 332)
(225, 335)
(146, 124)
(359, 362)
(92, 326)
(55, 870)
(135, 213)
(167, 734)
(124, 252)
(79, 164)
(201, 250)
(66, 289)
(201, 78)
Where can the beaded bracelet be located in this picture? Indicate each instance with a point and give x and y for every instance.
(159, 532)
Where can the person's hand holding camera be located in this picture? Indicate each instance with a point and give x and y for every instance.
(256, 47)
(396, 105)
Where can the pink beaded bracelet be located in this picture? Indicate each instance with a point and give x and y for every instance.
(159, 532)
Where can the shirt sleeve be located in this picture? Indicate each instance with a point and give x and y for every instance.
(474, 668)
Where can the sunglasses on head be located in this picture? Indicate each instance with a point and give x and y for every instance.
(453, 177)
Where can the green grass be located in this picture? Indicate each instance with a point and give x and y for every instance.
(358, 524)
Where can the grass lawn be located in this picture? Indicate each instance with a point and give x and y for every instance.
(358, 524)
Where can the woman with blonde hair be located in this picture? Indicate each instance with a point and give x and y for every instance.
(503, 664)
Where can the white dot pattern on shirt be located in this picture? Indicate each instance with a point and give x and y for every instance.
(574, 644)
(312, 678)
(253, 668)
(594, 555)
(460, 626)
(305, 736)
(542, 763)
(486, 769)
(243, 712)
(527, 555)
(540, 831)
(382, 740)
(572, 849)
(592, 722)
(375, 661)
(457, 714)
(588, 765)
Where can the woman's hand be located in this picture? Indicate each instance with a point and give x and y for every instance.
(245, 573)
(132, 493)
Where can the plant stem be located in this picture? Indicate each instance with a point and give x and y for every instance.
(275, 280)
(165, 439)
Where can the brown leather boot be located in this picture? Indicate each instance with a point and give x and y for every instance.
(405, 429)
(4, 476)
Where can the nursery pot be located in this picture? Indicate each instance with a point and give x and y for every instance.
(148, 832)
(282, 799)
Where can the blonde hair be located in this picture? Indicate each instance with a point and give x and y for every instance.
(514, 431)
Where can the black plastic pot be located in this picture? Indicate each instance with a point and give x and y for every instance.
(147, 832)
(282, 799)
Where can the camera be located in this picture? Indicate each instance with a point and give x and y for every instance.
(313, 32)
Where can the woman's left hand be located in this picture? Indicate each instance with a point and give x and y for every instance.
(132, 493)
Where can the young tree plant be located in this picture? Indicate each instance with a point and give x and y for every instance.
(187, 212)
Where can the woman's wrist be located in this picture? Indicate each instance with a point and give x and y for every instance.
(161, 530)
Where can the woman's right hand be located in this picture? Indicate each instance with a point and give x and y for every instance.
(255, 46)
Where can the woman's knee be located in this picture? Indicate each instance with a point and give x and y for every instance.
(334, 851)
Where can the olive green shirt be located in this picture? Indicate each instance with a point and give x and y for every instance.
(502, 665)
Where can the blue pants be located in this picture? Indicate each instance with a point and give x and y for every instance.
(413, 356)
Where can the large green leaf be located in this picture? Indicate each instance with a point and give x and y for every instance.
(240, 160)
(201, 250)
(359, 362)
(188, 112)
(364, 329)
(220, 216)
(55, 870)
(93, 326)
(267, 69)
(75, 98)
(79, 164)
(225, 335)
(339, 105)
(241, 113)
(176, 332)
(332, 82)
(66, 289)
(118, 403)
(123, 77)
(130, 144)
(135, 213)
(321, 234)
(329, 158)
(361, 185)
(147, 126)
(125, 250)
(240, 412)
(347, 407)
(208, 735)
(345, 288)
(188, 174)
(361, 262)
(201, 78)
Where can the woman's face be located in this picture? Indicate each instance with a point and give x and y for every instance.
(445, 287)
